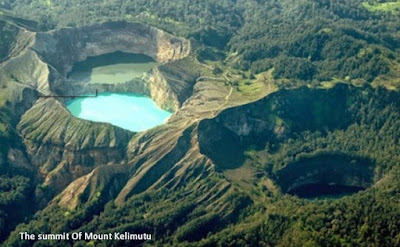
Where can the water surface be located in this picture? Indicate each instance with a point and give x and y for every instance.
(126, 110)
(117, 67)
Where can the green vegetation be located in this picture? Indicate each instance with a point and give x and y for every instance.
(14, 191)
(392, 6)
(8, 36)
(2, 128)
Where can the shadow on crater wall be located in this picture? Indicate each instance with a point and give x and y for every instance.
(326, 175)
(221, 145)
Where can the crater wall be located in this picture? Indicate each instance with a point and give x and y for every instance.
(62, 48)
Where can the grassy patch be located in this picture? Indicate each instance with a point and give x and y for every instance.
(2, 128)
(248, 87)
(250, 152)
(393, 7)
(46, 2)
(155, 20)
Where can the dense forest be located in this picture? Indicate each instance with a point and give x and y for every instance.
(302, 44)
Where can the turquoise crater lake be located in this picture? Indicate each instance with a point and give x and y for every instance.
(126, 110)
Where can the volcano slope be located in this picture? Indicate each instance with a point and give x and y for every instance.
(230, 167)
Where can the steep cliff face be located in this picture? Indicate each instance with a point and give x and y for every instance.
(286, 112)
(169, 84)
(62, 48)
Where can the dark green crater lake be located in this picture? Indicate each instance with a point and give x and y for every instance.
(117, 67)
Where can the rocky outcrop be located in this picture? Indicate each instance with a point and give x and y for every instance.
(172, 83)
(103, 182)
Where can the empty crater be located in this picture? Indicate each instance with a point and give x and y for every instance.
(326, 175)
